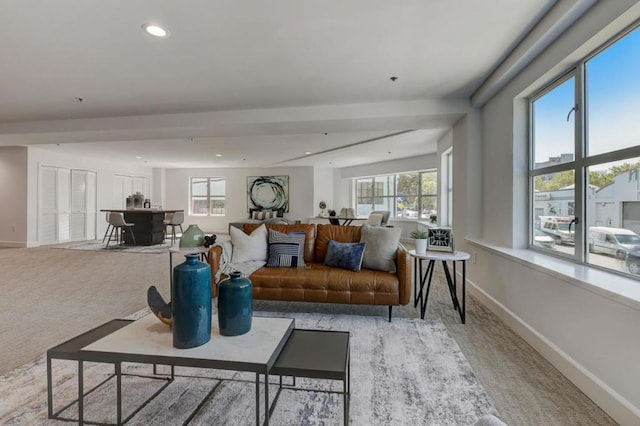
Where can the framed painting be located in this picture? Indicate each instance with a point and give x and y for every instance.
(440, 239)
(268, 193)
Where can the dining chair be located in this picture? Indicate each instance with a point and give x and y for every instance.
(173, 220)
(119, 225)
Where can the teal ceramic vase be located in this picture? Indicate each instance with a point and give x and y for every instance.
(192, 237)
(235, 305)
(191, 303)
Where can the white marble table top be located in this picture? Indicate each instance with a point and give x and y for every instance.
(148, 336)
(440, 255)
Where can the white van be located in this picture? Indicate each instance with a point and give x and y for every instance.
(558, 227)
(612, 241)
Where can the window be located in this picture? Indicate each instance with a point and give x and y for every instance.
(410, 195)
(207, 196)
(585, 160)
(446, 209)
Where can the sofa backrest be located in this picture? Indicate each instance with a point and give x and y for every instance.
(342, 234)
(309, 239)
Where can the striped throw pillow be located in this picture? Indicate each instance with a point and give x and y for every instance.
(286, 250)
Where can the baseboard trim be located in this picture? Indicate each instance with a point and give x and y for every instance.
(615, 405)
(12, 244)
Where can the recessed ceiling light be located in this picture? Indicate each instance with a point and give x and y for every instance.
(155, 30)
(307, 152)
(138, 158)
(218, 155)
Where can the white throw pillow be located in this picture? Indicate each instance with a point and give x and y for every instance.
(382, 244)
(247, 248)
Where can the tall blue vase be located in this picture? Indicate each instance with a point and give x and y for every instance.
(191, 303)
(235, 305)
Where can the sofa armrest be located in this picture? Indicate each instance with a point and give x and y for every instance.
(213, 257)
(403, 266)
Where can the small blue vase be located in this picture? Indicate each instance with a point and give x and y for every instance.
(191, 303)
(235, 305)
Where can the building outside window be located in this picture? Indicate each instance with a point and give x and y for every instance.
(409, 195)
(585, 160)
(207, 196)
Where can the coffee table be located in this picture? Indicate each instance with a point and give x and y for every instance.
(317, 354)
(148, 341)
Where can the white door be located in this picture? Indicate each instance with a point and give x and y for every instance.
(54, 204)
(91, 217)
(78, 204)
(47, 205)
(63, 192)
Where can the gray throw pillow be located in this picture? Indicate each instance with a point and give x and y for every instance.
(382, 244)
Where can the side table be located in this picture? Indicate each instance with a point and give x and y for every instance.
(426, 277)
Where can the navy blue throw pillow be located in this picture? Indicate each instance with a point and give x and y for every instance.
(345, 255)
(286, 250)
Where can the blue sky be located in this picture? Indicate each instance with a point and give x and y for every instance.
(613, 93)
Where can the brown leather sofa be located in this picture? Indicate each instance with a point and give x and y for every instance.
(324, 284)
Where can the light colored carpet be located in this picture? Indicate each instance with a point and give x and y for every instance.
(51, 295)
(405, 372)
(98, 245)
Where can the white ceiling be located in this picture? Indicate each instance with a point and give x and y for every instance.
(259, 82)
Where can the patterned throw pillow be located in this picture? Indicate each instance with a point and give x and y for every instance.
(345, 255)
(263, 214)
(286, 250)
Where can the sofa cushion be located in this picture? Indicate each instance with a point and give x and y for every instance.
(382, 244)
(345, 255)
(325, 284)
(286, 250)
(249, 247)
(309, 229)
(342, 234)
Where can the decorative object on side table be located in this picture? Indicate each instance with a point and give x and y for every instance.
(332, 213)
(158, 306)
(209, 240)
(441, 239)
(322, 206)
(235, 305)
(192, 237)
(421, 240)
(191, 304)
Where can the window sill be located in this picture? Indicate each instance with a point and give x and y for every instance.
(613, 286)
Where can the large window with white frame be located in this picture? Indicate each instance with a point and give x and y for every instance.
(406, 195)
(585, 160)
(207, 196)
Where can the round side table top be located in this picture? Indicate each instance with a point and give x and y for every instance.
(440, 255)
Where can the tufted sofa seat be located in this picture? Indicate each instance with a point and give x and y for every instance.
(323, 284)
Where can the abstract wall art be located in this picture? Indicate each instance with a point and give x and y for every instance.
(268, 193)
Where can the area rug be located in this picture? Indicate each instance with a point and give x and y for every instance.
(407, 372)
(98, 245)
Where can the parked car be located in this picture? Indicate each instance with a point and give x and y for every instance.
(633, 260)
(612, 241)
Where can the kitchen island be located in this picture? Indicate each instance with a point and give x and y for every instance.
(148, 226)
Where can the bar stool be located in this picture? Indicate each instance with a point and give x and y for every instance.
(116, 220)
(173, 220)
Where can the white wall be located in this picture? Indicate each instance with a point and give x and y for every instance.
(323, 189)
(13, 196)
(301, 193)
(105, 171)
(591, 338)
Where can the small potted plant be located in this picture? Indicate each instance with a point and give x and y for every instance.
(421, 238)
(433, 218)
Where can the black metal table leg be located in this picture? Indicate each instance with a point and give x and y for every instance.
(49, 389)
(425, 298)
(80, 394)
(454, 297)
(463, 314)
(118, 369)
(266, 397)
(257, 399)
